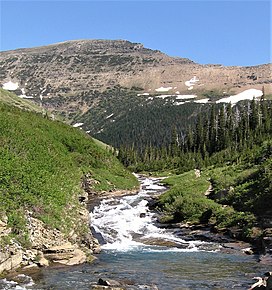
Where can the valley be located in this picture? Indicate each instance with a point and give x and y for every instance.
(78, 117)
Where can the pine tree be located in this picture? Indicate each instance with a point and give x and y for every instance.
(212, 131)
(253, 115)
(221, 136)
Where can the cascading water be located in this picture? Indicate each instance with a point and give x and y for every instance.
(126, 224)
(136, 250)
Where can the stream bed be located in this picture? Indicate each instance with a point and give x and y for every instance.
(142, 255)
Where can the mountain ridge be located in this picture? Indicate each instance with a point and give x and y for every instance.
(86, 81)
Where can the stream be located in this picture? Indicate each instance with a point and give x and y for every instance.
(136, 251)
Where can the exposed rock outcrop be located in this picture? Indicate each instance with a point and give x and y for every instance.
(49, 244)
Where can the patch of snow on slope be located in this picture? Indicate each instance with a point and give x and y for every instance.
(245, 95)
(183, 97)
(190, 84)
(177, 92)
(180, 103)
(10, 86)
(162, 89)
(202, 101)
(77, 125)
(144, 94)
(25, 97)
(109, 116)
(163, 96)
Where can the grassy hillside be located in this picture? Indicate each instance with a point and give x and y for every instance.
(42, 164)
(240, 194)
(13, 100)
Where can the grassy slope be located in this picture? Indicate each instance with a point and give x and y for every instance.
(11, 99)
(241, 193)
(42, 163)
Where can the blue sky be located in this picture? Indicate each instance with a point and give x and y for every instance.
(217, 32)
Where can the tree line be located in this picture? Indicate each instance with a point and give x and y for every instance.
(219, 135)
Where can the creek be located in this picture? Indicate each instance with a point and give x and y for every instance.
(138, 252)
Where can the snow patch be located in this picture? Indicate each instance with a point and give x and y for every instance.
(162, 89)
(25, 97)
(190, 84)
(245, 95)
(180, 103)
(183, 97)
(177, 92)
(202, 101)
(109, 116)
(163, 96)
(77, 125)
(10, 86)
(144, 94)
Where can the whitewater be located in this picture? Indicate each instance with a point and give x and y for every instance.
(137, 251)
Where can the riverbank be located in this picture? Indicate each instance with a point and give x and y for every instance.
(47, 171)
(192, 207)
(51, 246)
(137, 253)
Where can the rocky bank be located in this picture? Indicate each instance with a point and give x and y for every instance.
(49, 245)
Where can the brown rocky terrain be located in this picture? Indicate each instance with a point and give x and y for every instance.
(77, 67)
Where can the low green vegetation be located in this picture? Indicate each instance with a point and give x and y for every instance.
(239, 194)
(42, 165)
(11, 99)
(185, 200)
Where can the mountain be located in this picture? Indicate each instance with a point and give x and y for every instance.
(106, 84)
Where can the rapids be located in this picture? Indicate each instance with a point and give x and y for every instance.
(137, 251)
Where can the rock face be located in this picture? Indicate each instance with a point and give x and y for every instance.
(10, 260)
(49, 245)
(66, 254)
(75, 69)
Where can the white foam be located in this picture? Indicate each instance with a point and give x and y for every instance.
(162, 89)
(27, 281)
(127, 224)
(245, 95)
